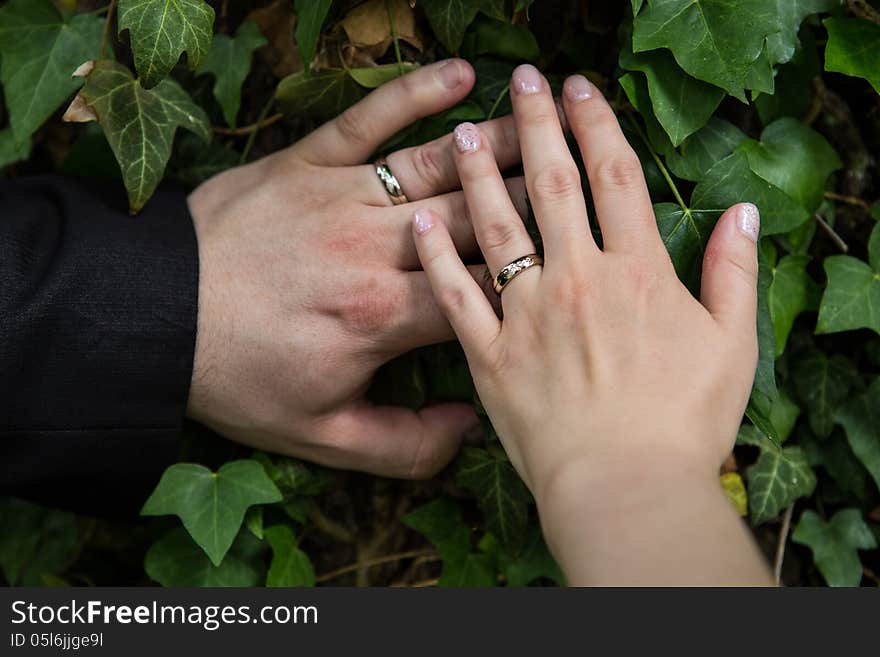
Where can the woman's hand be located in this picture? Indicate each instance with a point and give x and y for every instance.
(309, 281)
(615, 393)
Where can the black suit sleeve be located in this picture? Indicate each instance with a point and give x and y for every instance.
(97, 335)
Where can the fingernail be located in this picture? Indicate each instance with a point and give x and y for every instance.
(527, 79)
(748, 220)
(422, 221)
(474, 435)
(578, 88)
(450, 75)
(466, 137)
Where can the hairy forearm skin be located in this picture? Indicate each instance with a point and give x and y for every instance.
(641, 524)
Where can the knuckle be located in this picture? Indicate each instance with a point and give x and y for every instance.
(451, 300)
(428, 164)
(556, 182)
(368, 308)
(568, 293)
(621, 171)
(353, 126)
(499, 234)
(746, 270)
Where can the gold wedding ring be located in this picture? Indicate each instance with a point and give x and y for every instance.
(514, 269)
(390, 182)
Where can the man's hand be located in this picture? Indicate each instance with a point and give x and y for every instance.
(309, 281)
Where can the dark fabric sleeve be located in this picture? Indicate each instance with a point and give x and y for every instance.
(97, 336)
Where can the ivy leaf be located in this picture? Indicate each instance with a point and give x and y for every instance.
(442, 524)
(211, 504)
(501, 494)
(852, 296)
(174, 560)
(450, 18)
(140, 124)
(290, 565)
(853, 48)
(513, 41)
(782, 44)
(194, 161)
(319, 97)
(794, 158)
(375, 76)
(792, 291)
(860, 418)
(822, 383)
(699, 152)
(793, 83)
(835, 544)
(685, 232)
(780, 476)
(230, 61)
(39, 51)
(11, 152)
(35, 542)
(732, 181)
(310, 15)
(765, 394)
(476, 571)
(162, 30)
(713, 40)
(735, 491)
(533, 562)
(681, 103)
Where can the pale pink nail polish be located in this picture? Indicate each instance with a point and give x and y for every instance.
(748, 220)
(422, 221)
(466, 137)
(578, 88)
(450, 75)
(527, 80)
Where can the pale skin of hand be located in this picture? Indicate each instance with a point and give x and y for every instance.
(309, 281)
(615, 392)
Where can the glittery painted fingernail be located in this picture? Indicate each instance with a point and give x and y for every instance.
(467, 137)
(578, 88)
(527, 80)
(748, 220)
(450, 75)
(422, 221)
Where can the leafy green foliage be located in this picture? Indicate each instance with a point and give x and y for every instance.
(162, 30)
(211, 505)
(230, 61)
(852, 298)
(39, 51)
(724, 102)
(854, 48)
(835, 544)
(140, 124)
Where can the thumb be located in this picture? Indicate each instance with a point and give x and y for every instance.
(730, 269)
(394, 441)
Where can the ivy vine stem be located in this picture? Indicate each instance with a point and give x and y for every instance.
(394, 37)
(105, 34)
(501, 96)
(780, 545)
(248, 129)
(663, 170)
(253, 135)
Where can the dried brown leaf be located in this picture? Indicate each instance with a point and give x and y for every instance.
(369, 30)
(277, 22)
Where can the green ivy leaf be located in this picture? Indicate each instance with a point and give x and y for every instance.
(10, 152)
(792, 291)
(290, 565)
(852, 296)
(310, 15)
(35, 542)
(783, 415)
(860, 418)
(794, 158)
(174, 560)
(780, 476)
(532, 563)
(442, 524)
(450, 18)
(501, 494)
(782, 45)
(162, 30)
(822, 383)
(319, 97)
(39, 51)
(793, 83)
(194, 161)
(681, 103)
(835, 544)
(765, 394)
(685, 233)
(513, 41)
(853, 48)
(229, 60)
(375, 76)
(732, 181)
(699, 152)
(211, 504)
(140, 124)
